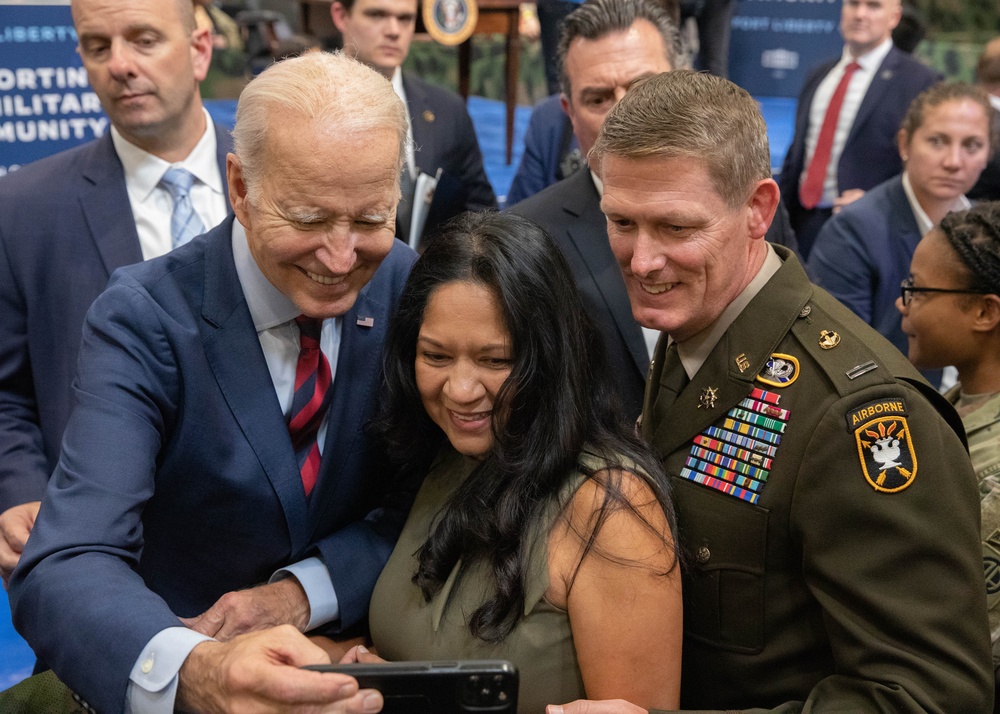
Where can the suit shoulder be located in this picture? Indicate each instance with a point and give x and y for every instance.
(439, 96)
(539, 208)
(47, 172)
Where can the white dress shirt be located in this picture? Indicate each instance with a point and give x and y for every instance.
(856, 91)
(153, 681)
(152, 205)
(397, 86)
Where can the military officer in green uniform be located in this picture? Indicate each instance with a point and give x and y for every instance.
(827, 507)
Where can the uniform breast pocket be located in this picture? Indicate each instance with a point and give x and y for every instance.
(725, 541)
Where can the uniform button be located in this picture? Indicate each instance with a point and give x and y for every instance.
(703, 555)
(147, 666)
(805, 311)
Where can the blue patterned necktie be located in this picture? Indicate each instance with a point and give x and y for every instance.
(184, 222)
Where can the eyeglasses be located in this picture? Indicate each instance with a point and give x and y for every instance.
(906, 291)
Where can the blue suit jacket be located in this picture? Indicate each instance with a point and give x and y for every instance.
(446, 139)
(65, 226)
(177, 481)
(544, 144)
(863, 253)
(870, 154)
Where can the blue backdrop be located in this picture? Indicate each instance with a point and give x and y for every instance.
(776, 42)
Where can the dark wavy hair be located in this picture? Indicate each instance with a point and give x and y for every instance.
(557, 402)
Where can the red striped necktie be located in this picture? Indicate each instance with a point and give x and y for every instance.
(811, 191)
(310, 401)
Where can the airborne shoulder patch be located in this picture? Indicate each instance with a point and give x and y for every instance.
(885, 449)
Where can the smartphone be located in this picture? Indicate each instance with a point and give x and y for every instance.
(452, 687)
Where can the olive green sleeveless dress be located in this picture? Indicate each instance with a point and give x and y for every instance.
(405, 627)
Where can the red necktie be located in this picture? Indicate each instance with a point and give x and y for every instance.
(811, 191)
(310, 401)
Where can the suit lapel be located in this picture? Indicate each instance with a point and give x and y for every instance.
(106, 208)
(589, 237)
(354, 391)
(235, 356)
(422, 122)
(750, 336)
(877, 91)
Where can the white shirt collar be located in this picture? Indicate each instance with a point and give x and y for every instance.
(269, 306)
(995, 101)
(924, 222)
(143, 170)
(695, 350)
(871, 60)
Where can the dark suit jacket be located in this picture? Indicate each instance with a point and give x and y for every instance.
(445, 138)
(177, 481)
(547, 139)
(570, 211)
(65, 226)
(870, 154)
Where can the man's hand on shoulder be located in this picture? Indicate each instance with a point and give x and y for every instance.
(260, 672)
(585, 706)
(15, 527)
(235, 613)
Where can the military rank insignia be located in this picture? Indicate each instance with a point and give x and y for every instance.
(885, 448)
(779, 370)
(735, 454)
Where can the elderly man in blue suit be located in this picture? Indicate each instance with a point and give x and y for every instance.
(68, 221)
(848, 115)
(215, 478)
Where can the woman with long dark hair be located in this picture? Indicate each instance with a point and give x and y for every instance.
(543, 532)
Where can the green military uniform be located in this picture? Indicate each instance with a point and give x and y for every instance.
(981, 419)
(841, 571)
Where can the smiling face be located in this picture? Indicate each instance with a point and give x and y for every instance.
(463, 358)
(865, 24)
(323, 218)
(947, 152)
(377, 32)
(684, 253)
(144, 63)
(600, 72)
(938, 326)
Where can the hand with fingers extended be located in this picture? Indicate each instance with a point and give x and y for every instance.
(15, 527)
(280, 603)
(261, 672)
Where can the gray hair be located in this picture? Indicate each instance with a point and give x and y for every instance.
(329, 88)
(595, 19)
(687, 114)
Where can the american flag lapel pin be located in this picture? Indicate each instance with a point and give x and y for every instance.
(366, 322)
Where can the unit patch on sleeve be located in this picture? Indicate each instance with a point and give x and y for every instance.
(885, 448)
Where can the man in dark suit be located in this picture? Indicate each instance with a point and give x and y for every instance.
(879, 82)
(607, 45)
(217, 439)
(68, 221)
(379, 32)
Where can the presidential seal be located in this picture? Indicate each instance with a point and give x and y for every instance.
(450, 22)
